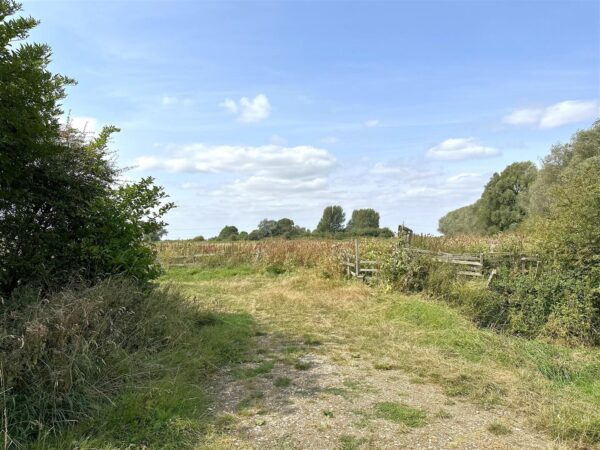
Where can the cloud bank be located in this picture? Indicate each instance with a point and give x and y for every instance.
(562, 113)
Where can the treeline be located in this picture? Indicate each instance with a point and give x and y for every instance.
(363, 222)
(556, 211)
(521, 191)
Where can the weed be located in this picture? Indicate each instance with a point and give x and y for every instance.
(498, 429)
(302, 365)
(282, 382)
(348, 442)
(401, 413)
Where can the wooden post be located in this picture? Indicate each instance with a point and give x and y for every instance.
(357, 261)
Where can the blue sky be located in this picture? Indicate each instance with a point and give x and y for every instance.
(248, 110)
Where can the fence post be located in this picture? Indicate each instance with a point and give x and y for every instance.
(357, 261)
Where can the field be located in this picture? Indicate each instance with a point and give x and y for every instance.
(287, 354)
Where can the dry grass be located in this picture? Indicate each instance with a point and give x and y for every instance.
(431, 342)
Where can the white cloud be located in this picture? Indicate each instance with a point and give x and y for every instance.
(371, 123)
(329, 140)
(169, 100)
(461, 148)
(249, 110)
(562, 113)
(271, 160)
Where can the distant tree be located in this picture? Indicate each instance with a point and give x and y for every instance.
(332, 220)
(198, 239)
(385, 232)
(463, 220)
(501, 206)
(363, 219)
(266, 228)
(228, 233)
(243, 236)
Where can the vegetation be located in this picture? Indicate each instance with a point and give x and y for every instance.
(97, 351)
(332, 220)
(63, 214)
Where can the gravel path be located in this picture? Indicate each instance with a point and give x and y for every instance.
(303, 396)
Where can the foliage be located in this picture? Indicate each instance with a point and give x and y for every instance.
(84, 351)
(229, 232)
(332, 220)
(569, 233)
(63, 214)
(583, 145)
(501, 206)
(463, 220)
(363, 219)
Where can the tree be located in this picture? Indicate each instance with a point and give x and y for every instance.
(363, 219)
(569, 231)
(501, 207)
(266, 228)
(583, 145)
(63, 214)
(332, 220)
(229, 233)
(463, 220)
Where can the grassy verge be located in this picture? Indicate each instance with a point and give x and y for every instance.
(137, 363)
(557, 388)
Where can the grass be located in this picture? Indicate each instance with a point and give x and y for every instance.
(282, 382)
(557, 388)
(498, 429)
(170, 407)
(401, 413)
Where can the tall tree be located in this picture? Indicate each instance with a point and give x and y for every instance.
(228, 233)
(463, 220)
(501, 206)
(583, 145)
(363, 219)
(332, 220)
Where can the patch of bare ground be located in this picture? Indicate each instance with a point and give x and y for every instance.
(308, 395)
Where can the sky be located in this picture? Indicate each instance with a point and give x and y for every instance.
(250, 110)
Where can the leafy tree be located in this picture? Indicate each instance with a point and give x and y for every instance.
(583, 145)
(569, 231)
(385, 233)
(198, 238)
(62, 211)
(500, 207)
(463, 220)
(332, 220)
(229, 233)
(266, 228)
(363, 219)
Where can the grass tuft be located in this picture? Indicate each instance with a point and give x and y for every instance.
(401, 413)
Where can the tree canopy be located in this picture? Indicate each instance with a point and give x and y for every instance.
(332, 220)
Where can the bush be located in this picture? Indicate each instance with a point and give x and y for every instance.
(63, 212)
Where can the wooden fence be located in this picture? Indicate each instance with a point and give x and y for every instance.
(468, 265)
(355, 267)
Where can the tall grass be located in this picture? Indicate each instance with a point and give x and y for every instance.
(67, 357)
